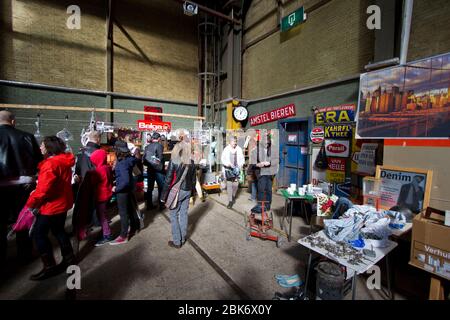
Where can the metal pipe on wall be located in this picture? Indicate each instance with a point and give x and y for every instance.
(88, 91)
(406, 28)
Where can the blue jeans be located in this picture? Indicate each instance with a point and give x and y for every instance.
(254, 190)
(342, 205)
(265, 190)
(179, 218)
(153, 176)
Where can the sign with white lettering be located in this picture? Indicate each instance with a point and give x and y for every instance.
(341, 113)
(145, 125)
(408, 188)
(337, 148)
(280, 113)
(317, 135)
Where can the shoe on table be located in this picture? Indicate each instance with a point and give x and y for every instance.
(173, 245)
(119, 240)
(104, 240)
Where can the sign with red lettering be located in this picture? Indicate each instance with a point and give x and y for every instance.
(145, 125)
(280, 113)
(337, 148)
(336, 164)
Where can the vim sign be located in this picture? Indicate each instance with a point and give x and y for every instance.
(296, 17)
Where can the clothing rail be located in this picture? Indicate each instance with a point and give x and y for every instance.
(91, 109)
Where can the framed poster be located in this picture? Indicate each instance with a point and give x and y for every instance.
(411, 101)
(406, 187)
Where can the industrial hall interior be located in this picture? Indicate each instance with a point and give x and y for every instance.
(224, 150)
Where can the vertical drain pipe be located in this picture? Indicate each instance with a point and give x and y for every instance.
(406, 28)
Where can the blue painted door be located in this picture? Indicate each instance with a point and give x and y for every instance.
(293, 153)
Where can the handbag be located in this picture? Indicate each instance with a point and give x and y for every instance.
(231, 173)
(172, 198)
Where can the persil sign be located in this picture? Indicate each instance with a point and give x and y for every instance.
(146, 125)
(337, 148)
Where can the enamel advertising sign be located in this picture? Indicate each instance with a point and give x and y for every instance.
(317, 135)
(337, 148)
(342, 113)
(280, 113)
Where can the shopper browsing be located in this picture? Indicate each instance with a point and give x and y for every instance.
(232, 161)
(103, 192)
(19, 159)
(178, 187)
(153, 159)
(124, 192)
(50, 201)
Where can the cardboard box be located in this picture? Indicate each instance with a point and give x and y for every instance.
(430, 246)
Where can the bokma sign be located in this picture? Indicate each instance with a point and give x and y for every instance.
(145, 125)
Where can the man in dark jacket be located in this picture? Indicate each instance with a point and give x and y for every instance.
(153, 160)
(83, 189)
(20, 155)
(84, 163)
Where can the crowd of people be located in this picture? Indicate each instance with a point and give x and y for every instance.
(49, 181)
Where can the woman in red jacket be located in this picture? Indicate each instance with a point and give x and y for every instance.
(52, 199)
(103, 181)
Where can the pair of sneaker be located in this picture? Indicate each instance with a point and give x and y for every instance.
(109, 239)
(289, 281)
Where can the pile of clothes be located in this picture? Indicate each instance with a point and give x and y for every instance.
(363, 222)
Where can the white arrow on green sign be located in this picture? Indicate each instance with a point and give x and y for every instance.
(291, 20)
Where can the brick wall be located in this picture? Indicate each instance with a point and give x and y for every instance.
(430, 31)
(38, 47)
(333, 43)
(168, 39)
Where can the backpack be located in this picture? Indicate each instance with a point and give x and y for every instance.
(151, 158)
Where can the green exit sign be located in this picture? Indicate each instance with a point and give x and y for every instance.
(293, 19)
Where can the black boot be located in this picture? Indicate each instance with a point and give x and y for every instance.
(68, 258)
(230, 205)
(49, 269)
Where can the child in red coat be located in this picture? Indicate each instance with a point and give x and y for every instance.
(103, 180)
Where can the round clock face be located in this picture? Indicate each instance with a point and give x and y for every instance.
(240, 113)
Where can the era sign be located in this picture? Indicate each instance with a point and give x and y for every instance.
(342, 113)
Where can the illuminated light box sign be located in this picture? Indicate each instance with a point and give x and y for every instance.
(145, 125)
(341, 113)
(280, 113)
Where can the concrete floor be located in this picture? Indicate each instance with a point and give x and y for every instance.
(217, 262)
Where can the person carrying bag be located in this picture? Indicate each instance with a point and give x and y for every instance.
(178, 187)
